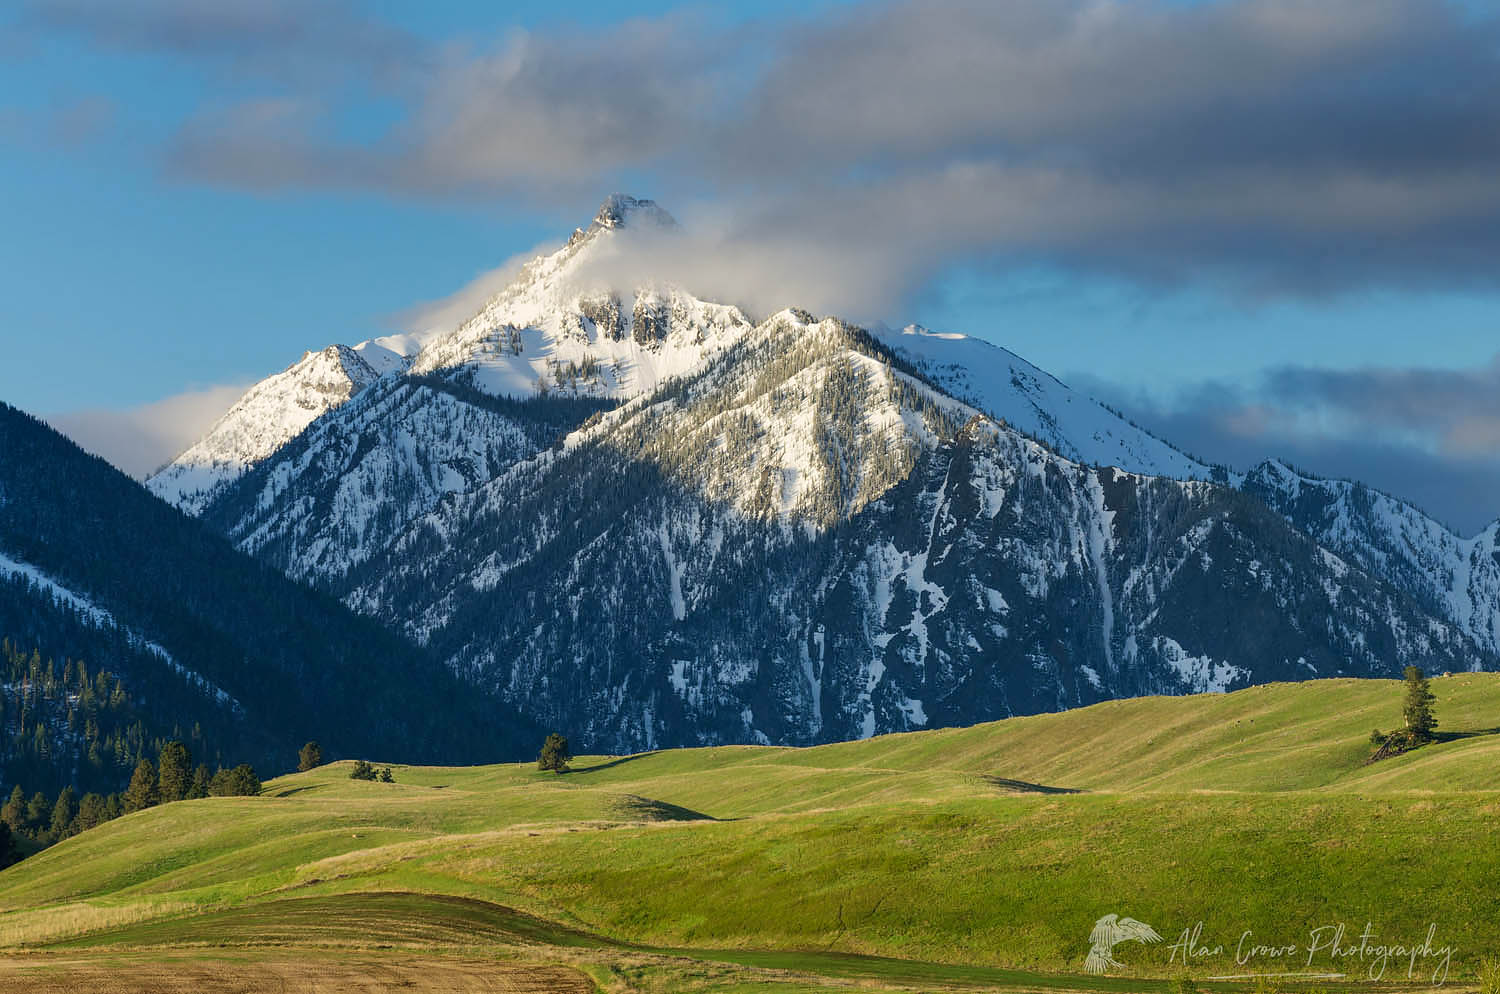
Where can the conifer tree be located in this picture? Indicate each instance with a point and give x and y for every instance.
(310, 757)
(14, 811)
(555, 754)
(143, 791)
(201, 779)
(176, 776)
(63, 813)
(1418, 706)
(38, 813)
(9, 852)
(243, 781)
(93, 811)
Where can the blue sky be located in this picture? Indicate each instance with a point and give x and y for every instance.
(1264, 228)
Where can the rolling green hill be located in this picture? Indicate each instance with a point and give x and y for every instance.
(973, 858)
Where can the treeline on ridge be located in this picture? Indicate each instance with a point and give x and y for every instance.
(297, 662)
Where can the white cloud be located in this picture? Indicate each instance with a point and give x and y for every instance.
(139, 440)
(1428, 435)
(456, 308)
(1276, 145)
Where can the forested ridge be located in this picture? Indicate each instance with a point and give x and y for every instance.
(183, 637)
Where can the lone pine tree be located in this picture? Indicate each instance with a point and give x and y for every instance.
(554, 755)
(1417, 710)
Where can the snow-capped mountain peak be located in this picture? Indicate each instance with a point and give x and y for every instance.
(270, 414)
(620, 210)
(558, 327)
(392, 353)
(568, 323)
(571, 324)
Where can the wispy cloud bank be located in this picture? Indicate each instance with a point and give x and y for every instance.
(1268, 144)
(262, 38)
(1431, 436)
(457, 307)
(1453, 412)
(141, 439)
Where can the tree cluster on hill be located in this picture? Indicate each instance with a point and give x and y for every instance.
(76, 743)
(41, 821)
(364, 771)
(67, 724)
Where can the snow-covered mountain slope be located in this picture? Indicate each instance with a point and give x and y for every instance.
(270, 414)
(19, 572)
(555, 330)
(651, 521)
(1456, 578)
(359, 476)
(1005, 386)
(562, 328)
(803, 541)
(392, 353)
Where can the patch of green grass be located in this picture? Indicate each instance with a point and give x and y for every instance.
(989, 849)
(1014, 881)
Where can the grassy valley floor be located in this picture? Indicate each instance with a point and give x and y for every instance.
(966, 859)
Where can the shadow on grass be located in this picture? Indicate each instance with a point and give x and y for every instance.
(637, 808)
(611, 764)
(1025, 787)
(296, 790)
(1472, 733)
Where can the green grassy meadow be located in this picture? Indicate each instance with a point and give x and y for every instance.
(963, 859)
